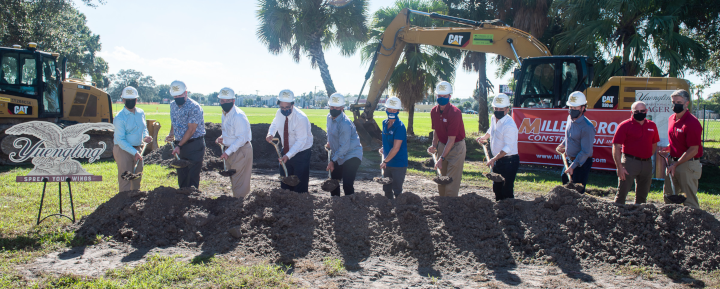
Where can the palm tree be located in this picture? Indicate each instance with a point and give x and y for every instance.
(309, 26)
(421, 67)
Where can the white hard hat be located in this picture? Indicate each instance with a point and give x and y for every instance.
(576, 99)
(129, 93)
(226, 93)
(336, 99)
(177, 87)
(286, 95)
(393, 103)
(501, 100)
(443, 88)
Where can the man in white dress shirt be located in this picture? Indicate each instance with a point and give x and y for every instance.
(504, 145)
(236, 137)
(296, 138)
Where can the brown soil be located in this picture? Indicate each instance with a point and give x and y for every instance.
(601, 192)
(383, 181)
(126, 175)
(495, 177)
(329, 185)
(442, 180)
(227, 173)
(573, 186)
(292, 180)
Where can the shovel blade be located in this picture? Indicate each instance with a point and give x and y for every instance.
(442, 180)
(329, 185)
(227, 173)
(495, 177)
(676, 199)
(383, 181)
(128, 176)
(178, 164)
(292, 180)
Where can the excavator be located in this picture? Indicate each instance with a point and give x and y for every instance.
(34, 88)
(543, 81)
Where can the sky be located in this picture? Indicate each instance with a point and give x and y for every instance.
(212, 44)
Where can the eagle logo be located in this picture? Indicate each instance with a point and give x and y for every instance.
(175, 88)
(498, 100)
(129, 92)
(224, 93)
(392, 102)
(57, 141)
(286, 94)
(573, 99)
(442, 87)
(335, 99)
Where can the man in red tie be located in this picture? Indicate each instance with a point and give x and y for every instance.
(294, 128)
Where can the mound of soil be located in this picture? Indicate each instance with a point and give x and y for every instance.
(264, 155)
(437, 233)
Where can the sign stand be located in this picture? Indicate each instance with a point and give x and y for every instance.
(59, 179)
(42, 199)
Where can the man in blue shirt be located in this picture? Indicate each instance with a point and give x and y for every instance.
(394, 138)
(345, 144)
(130, 132)
(187, 123)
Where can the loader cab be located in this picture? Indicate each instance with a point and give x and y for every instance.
(31, 74)
(546, 82)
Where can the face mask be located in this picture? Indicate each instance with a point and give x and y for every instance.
(443, 100)
(639, 116)
(392, 115)
(180, 100)
(335, 113)
(678, 108)
(499, 114)
(227, 106)
(130, 103)
(575, 113)
(286, 112)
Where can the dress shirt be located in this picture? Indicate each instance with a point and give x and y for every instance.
(130, 129)
(343, 138)
(301, 137)
(504, 135)
(235, 130)
(180, 117)
(579, 140)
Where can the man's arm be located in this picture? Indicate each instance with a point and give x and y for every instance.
(344, 139)
(301, 132)
(688, 155)
(273, 126)
(448, 146)
(120, 138)
(617, 155)
(188, 134)
(241, 125)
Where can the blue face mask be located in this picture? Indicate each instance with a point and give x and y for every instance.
(443, 100)
(286, 112)
(392, 115)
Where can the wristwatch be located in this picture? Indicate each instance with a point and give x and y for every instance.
(442, 158)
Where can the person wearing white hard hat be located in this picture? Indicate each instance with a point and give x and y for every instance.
(130, 133)
(188, 124)
(504, 144)
(448, 139)
(394, 149)
(345, 144)
(293, 126)
(236, 137)
(578, 142)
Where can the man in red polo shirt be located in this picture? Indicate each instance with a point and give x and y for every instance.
(638, 138)
(448, 139)
(684, 133)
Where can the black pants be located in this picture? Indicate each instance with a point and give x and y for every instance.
(506, 167)
(398, 175)
(195, 153)
(347, 172)
(298, 165)
(580, 174)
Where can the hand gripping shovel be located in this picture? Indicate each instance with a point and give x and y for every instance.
(440, 179)
(225, 172)
(570, 184)
(128, 176)
(382, 179)
(329, 185)
(177, 162)
(288, 180)
(674, 198)
(495, 177)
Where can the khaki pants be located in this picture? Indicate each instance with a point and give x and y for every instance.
(241, 161)
(125, 162)
(641, 173)
(452, 167)
(686, 181)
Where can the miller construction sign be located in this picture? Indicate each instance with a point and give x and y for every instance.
(53, 155)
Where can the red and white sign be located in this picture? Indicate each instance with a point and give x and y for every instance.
(542, 130)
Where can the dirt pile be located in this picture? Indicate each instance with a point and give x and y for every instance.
(264, 155)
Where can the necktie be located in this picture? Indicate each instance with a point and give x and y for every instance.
(286, 138)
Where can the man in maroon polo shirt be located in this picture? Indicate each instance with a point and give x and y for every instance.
(637, 138)
(684, 133)
(448, 139)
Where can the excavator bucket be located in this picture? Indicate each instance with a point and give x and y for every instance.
(369, 133)
(153, 127)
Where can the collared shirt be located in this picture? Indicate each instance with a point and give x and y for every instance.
(637, 139)
(447, 123)
(235, 130)
(299, 132)
(343, 138)
(180, 117)
(684, 133)
(130, 129)
(389, 135)
(504, 135)
(579, 139)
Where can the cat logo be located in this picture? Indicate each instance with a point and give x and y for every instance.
(608, 101)
(19, 109)
(460, 39)
(175, 88)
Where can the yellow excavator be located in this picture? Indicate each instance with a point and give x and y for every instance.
(34, 87)
(543, 80)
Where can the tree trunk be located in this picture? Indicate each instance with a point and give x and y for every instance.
(481, 95)
(411, 115)
(319, 57)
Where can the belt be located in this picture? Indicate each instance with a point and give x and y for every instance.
(189, 141)
(676, 159)
(636, 158)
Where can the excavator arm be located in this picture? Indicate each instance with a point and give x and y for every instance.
(479, 36)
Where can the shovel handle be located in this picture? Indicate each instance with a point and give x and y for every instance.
(566, 167)
(329, 154)
(276, 143)
(438, 170)
(173, 146)
(487, 155)
(667, 164)
(142, 150)
(222, 148)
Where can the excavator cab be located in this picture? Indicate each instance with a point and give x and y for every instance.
(34, 78)
(547, 81)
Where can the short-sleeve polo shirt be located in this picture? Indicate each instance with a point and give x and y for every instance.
(637, 139)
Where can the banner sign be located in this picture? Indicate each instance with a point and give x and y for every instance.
(61, 178)
(659, 105)
(542, 130)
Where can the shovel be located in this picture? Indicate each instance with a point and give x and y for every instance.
(440, 179)
(570, 184)
(288, 180)
(495, 177)
(674, 198)
(177, 162)
(382, 179)
(131, 176)
(329, 185)
(225, 172)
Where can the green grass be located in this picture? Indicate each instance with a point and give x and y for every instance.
(333, 267)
